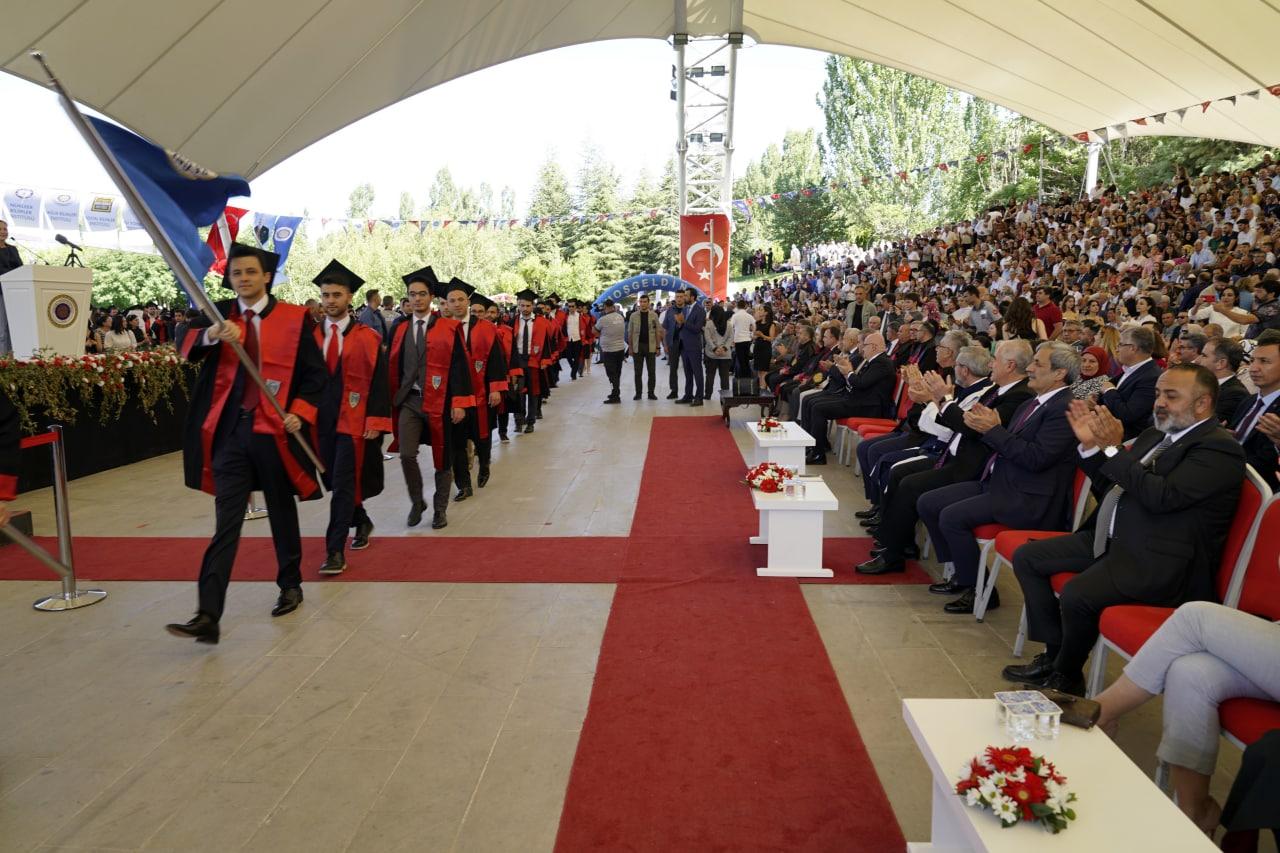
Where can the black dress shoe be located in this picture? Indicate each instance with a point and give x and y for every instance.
(684, 401)
(463, 493)
(964, 604)
(483, 477)
(202, 628)
(361, 540)
(947, 588)
(870, 512)
(911, 552)
(439, 520)
(415, 513)
(528, 428)
(652, 396)
(672, 395)
(637, 397)
(334, 564)
(502, 436)
(820, 459)
(870, 521)
(1063, 683)
(611, 401)
(871, 529)
(288, 601)
(695, 402)
(1040, 668)
(880, 566)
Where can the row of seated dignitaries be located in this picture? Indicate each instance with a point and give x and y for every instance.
(1000, 439)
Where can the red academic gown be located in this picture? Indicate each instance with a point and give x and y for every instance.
(446, 382)
(292, 367)
(505, 341)
(10, 447)
(539, 355)
(488, 371)
(355, 400)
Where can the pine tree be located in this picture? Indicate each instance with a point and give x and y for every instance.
(598, 241)
(550, 199)
(653, 241)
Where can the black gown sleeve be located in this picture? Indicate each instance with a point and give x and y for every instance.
(459, 373)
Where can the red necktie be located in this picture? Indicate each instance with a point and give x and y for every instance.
(331, 350)
(249, 401)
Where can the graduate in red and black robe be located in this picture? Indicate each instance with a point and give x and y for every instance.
(501, 414)
(10, 447)
(354, 413)
(488, 379)
(236, 443)
(430, 386)
(530, 355)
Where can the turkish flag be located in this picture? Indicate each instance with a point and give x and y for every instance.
(704, 252)
(222, 235)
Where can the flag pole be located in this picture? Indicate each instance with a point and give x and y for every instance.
(186, 279)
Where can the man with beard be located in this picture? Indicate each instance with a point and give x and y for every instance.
(354, 412)
(1156, 536)
(430, 393)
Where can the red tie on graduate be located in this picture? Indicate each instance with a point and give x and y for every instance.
(249, 401)
(331, 350)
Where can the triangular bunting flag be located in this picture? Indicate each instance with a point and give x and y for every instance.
(369, 223)
(1275, 90)
(1231, 99)
(1083, 136)
(1182, 113)
(981, 158)
(902, 175)
(942, 167)
(1204, 106)
(1254, 94)
(1139, 121)
(1159, 117)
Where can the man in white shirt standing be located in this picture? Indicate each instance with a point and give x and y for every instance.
(743, 327)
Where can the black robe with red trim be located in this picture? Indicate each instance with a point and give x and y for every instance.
(291, 362)
(506, 340)
(10, 447)
(355, 400)
(446, 383)
(488, 374)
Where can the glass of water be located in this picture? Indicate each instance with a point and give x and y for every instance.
(1020, 722)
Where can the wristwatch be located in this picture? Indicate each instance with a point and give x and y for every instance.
(1110, 451)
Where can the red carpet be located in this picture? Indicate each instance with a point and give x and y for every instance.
(716, 721)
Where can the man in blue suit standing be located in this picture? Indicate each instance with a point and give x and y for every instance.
(689, 323)
(1027, 481)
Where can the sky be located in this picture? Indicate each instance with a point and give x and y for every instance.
(497, 125)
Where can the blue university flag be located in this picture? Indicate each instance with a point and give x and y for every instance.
(181, 195)
(282, 234)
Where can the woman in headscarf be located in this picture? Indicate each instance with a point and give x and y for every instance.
(1095, 369)
(717, 348)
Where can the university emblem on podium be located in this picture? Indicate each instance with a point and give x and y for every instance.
(435, 382)
(353, 399)
(62, 310)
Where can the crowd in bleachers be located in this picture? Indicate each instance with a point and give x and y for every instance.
(1088, 391)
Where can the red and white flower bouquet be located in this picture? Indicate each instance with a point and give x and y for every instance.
(767, 425)
(768, 477)
(1017, 786)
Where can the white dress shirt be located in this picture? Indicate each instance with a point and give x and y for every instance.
(329, 325)
(573, 328)
(257, 308)
(1127, 371)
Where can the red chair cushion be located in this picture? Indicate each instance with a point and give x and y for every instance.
(1249, 719)
(1260, 593)
(988, 531)
(1059, 580)
(1128, 626)
(854, 423)
(872, 430)
(1011, 540)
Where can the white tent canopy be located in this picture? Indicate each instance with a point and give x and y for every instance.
(240, 85)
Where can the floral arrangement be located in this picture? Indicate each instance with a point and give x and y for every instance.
(1017, 786)
(769, 425)
(768, 477)
(46, 382)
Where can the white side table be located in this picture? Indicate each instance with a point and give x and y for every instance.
(1118, 807)
(792, 528)
(786, 448)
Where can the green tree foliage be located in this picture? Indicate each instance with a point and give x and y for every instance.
(406, 206)
(360, 201)
(598, 241)
(653, 241)
(550, 199)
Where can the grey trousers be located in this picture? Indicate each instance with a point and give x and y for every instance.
(1204, 655)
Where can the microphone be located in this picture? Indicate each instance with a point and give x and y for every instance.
(64, 241)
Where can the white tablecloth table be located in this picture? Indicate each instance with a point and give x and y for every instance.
(792, 528)
(1118, 806)
(786, 448)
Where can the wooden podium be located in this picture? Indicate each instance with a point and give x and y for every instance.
(47, 309)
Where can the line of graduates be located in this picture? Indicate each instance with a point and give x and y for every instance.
(441, 379)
